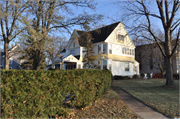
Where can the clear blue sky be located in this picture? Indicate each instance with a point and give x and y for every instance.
(111, 12)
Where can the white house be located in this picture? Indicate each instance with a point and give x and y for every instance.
(114, 50)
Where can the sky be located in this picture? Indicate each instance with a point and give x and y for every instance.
(112, 13)
(104, 7)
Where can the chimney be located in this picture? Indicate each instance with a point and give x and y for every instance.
(12, 45)
(16, 43)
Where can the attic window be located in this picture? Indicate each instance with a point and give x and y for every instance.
(73, 44)
(120, 38)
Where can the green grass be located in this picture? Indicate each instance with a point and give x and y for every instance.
(154, 94)
(109, 106)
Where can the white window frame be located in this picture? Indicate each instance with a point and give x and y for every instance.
(103, 64)
(110, 65)
(110, 48)
(105, 51)
(123, 50)
(120, 38)
(127, 68)
(79, 66)
(99, 64)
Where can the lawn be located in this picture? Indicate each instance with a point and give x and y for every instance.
(109, 106)
(154, 94)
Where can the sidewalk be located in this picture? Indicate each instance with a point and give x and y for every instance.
(137, 107)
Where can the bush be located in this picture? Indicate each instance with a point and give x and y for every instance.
(32, 94)
(118, 77)
(148, 75)
(157, 75)
(142, 75)
(175, 75)
(136, 76)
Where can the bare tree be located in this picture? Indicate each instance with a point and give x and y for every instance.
(55, 48)
(144, 15)
(50, 16)
(10, 13)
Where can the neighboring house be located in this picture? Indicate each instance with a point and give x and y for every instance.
(113, 50)
(151, 60)
(14, 54)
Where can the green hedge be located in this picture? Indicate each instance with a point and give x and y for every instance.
(32, 94)
(118, 77)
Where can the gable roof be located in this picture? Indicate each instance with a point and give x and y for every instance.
(99, 35)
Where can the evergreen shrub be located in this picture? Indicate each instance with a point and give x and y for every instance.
(142, 75)
(41, 94)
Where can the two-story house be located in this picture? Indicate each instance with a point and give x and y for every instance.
(113, 50)
(14, 54)
(151, 59)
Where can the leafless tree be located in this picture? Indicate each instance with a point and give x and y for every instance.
(55, 48)
(50, 16)
(10, 13)
(144, 14)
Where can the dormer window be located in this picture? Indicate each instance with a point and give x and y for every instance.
(104, 48)
(73, 44)
(120, 38)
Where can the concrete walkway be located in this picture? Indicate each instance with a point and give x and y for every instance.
(137, 107)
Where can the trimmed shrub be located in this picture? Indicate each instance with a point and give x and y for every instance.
(157, 75)
(118, 77)
(41, 94)
(142, 75)
(136, 76)
(148, 75)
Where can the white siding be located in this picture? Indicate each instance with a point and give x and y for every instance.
(118, 68)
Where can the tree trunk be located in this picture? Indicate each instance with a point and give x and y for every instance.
(168, 59)
(169, 73)
(39, 61)
(6, 44)
(34, 60)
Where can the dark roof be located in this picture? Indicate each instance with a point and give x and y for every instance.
(98, 35)
(64, 50)
(77, 57)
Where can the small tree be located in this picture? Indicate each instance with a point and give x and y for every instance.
(88, 59)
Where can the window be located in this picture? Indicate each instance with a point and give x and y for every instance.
(99, 49)
(99, 64)
(134, 68)
(104, 48)
(127, 66)
(10, 61)
(123, 50)
(120, 38)
(73, 44)
(104, 64)
(132, 51)
(127, 51)
(72, 52)
(79, 66)
(110, 65)
(110, 49)
(10, 67)
(151, 62)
